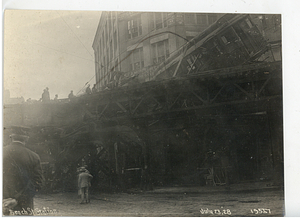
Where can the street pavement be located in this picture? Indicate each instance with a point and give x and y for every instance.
(205, 201)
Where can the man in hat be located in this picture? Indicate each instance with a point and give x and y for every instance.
(71, 96)
(88, 90)
(94, 89)
(22, 172)
(46, 95)
(56, 98)
(84, 182)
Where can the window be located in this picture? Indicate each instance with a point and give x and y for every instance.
(106, 31)
(103, 69)
(248, 23)
(110, 50)
(190, 19)
(228, 37)
(103, 43)
(276, 19)
(160, 51)
(160, 20)
(224, 39)
(134, 27)
(201, 19)
(189, 37)
(115, 43)
(211, 18)
(136, 59)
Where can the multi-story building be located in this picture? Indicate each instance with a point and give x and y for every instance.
(132, 44)
(270, 27)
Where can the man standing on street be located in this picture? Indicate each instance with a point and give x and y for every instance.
(84, 182)
(22, 172)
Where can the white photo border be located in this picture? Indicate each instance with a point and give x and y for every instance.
(291, 57)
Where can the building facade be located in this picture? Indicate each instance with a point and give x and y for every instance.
(132, 44)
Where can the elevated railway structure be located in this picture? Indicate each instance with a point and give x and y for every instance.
(237, 108)
(232, 40)
(175, 124)
(230, 86)
(214, 107)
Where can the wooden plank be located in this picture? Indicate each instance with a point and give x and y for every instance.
(120, 106)
(201, 99)
(243, 90)
(182, 56)
(104, 109)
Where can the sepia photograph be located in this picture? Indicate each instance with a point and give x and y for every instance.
(140, 113)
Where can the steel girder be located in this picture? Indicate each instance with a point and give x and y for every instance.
(242, 84)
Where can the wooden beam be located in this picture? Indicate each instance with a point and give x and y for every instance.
(218, 93)
(243, 90)
(193, 64)
(104, 109)
(201, 99)
(199, 107)
(263, 86)
(182, 56)
(175, 100)
(133, 112)
(120, 106)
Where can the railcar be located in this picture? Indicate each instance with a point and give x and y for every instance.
(232, 40)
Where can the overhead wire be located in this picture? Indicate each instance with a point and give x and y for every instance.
(74, 34)
(82, 45)
(137, 44)
(145, 37)
(57, 50)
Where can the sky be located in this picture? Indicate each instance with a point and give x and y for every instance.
(53, 49)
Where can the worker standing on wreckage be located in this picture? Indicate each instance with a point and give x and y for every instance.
(22, 174)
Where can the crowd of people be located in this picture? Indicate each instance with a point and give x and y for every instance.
(46, 96)
(90, 91)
